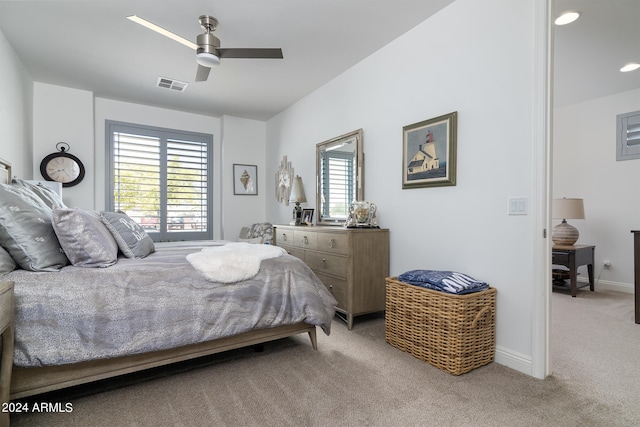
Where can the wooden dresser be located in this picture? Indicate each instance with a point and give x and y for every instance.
(352, 263)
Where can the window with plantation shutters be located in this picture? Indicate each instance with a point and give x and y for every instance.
(337, 175)
(162, 179)
(628, 136)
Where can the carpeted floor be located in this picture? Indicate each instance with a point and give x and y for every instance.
(357, 379)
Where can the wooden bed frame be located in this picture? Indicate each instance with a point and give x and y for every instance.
(31, 381)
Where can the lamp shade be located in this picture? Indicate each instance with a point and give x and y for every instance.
(297, 191)
(567, 208)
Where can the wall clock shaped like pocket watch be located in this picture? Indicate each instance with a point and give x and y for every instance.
(62, 167)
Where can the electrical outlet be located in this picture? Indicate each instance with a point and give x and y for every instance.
(606, 263)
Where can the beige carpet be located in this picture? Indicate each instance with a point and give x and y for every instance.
(356, 379)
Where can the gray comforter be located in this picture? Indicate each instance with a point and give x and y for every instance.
(160, 302)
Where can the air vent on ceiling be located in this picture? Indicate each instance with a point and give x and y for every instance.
(172, 84)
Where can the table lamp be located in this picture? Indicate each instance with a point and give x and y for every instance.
(564, 233)
(297, 196)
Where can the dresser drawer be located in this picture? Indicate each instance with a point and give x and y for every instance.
(325, 263)
(337, 287)
(337, 243)
(292, 250)
(284, 237)
(305, 239)
(560, 258)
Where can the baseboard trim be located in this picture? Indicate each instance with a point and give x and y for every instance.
(609, 285)
(514, 360)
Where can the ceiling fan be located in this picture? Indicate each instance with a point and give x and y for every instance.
(207, 46)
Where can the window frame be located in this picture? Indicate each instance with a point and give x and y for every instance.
(624, 151)
(163, 134)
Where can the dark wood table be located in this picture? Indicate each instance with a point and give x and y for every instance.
(636, 271)
(573, 257)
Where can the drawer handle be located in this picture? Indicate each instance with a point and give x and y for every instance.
(284, 237)
(305, 240)
(331, 243)
(324, 262)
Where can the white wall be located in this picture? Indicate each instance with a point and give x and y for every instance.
(16, 105)
(64, 114)
(585, 166)
(473, 57)
(243, 143)
(75, 116)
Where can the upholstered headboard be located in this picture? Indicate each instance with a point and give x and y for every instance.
(5, 172)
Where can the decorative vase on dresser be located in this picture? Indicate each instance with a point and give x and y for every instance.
(353, 263)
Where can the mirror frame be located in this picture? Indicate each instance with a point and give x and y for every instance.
(359, 174)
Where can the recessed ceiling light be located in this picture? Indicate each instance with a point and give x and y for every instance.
(630, 67)
(567, 18)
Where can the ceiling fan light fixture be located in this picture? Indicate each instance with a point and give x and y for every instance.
(567, 18)
(207, 59)
(632, 66)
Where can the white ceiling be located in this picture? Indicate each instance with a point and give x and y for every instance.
(89, 45)
(589, 53)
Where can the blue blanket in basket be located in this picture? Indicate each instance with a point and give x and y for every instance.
(450, 282)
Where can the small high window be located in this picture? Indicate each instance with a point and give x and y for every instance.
(628, 136)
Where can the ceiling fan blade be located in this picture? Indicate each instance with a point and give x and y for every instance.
(158, 29)
(259, 53)
(202, 74)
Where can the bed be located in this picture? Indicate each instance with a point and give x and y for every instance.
(75, 324)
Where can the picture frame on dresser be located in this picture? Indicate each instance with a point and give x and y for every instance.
(307, 216)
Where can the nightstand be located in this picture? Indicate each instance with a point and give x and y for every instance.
(573, 257)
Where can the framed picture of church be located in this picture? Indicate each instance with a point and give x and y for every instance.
(429, 152)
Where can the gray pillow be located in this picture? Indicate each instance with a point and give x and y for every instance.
(84, 238)
(48, 196)
(7, 264)
(26, 231)
(132, 240)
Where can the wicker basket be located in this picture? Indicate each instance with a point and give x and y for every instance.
(455, 333)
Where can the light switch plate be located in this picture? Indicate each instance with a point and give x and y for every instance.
(518, 206)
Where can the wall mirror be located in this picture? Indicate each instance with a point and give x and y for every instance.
(339, 177)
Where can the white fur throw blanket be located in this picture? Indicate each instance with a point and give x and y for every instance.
(232, 262)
